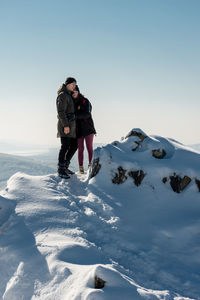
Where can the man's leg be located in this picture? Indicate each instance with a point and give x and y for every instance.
(65, 144)
(72, 150)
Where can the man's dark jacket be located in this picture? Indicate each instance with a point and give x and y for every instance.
(66, 113)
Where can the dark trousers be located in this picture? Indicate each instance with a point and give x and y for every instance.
(67, 150)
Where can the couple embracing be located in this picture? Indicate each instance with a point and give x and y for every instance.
(75, 125)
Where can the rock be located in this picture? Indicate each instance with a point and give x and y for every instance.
(96, 166)
(137, 176)
(157, 153)
(178, 184)
(198, 183)
(164, 180)
(98, 282)
(184, 182)
(120, 177)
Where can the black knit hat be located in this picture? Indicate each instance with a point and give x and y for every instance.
(69, 80)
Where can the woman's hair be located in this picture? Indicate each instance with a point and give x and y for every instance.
(62, 88)
(77, 89)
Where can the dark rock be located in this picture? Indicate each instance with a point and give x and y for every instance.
(198, 183)
(178, 184)
(184, 182)
(120, 177)
(137, 176)
(98, 282)
(164, 180)
(157, 153)
(96, 166)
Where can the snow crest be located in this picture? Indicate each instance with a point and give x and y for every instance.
(119, 232)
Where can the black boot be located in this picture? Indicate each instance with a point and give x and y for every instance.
(62, 172)
(68, 171)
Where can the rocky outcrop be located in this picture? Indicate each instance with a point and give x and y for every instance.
(119, 177)
(137, 176)
(158, 153)
(138, 134)
(178, 184)
(96, 166)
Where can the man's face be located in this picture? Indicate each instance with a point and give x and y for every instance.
(71, 86)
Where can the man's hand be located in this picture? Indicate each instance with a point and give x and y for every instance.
(66, 130)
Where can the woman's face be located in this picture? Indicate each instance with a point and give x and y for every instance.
(75, 94)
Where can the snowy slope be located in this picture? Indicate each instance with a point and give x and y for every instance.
(122, 223)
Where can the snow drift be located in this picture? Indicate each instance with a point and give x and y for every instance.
(129, 229)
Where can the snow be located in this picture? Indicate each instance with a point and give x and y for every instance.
(56, 235)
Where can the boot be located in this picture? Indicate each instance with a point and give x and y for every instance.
(70, 172)
(62, 171)
(81, 169)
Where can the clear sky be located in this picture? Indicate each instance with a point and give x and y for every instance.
(137, 61)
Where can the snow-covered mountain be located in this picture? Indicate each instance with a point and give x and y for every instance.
(129, 229)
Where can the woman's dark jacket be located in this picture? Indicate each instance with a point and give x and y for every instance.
(66, 113)
(84, 122)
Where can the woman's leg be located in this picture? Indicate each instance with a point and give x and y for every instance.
(80, 151)
(89, 144)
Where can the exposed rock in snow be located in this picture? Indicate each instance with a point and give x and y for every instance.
(197, 183)
(120, 176)
(178, 184)
(157, 153)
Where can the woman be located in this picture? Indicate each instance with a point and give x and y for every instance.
(84, 127)
(66, 126)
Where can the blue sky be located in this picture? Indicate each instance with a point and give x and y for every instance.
(137, 61)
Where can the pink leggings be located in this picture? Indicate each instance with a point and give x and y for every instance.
(89, 145)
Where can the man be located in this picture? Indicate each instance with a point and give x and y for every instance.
(66, 126)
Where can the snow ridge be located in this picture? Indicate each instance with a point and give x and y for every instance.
(129, 229)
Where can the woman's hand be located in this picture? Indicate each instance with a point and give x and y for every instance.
(66, 130)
